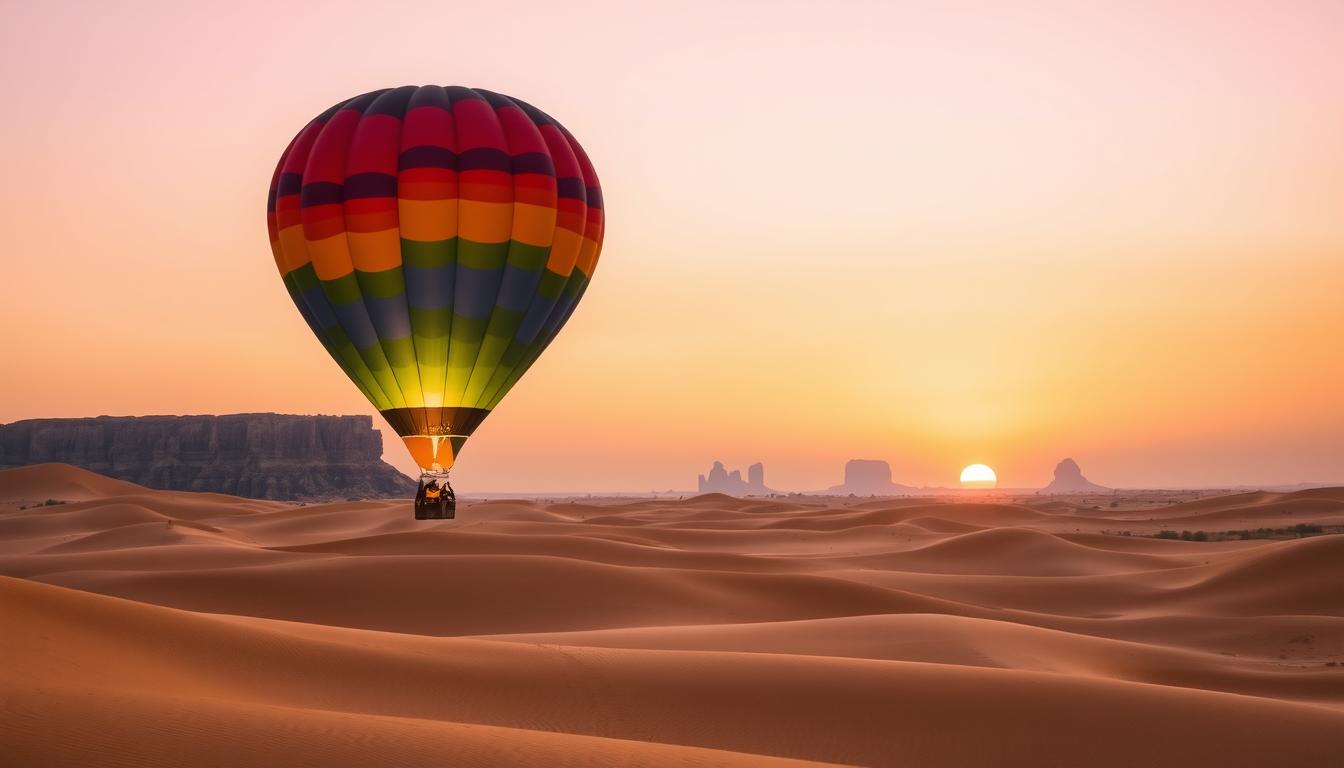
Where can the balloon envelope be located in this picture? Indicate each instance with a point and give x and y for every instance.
(435, 239)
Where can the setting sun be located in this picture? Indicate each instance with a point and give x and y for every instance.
(978, 476)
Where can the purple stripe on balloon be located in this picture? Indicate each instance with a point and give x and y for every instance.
(290, 184)
(571, 187)
(484, 159)
(370, 185)
(533, 162)
(320, 193)
(427, 157)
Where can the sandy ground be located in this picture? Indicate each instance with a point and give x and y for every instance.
(154, 628)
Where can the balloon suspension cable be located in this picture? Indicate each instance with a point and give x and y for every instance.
(437, 476)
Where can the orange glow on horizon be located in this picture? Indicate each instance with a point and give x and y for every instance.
(978, 476)
(909, 232)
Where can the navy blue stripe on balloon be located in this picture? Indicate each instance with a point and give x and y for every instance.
(478, 159)
(571, 187)
(429, 96)
(392, 102)
(484, 159)
(476, 291)
(427, 157)
(518, 288)
(291, 183)
(389, 317)
(320, 193)
(363, 185)
(533, 162)
(535, 319)
(430, 288)
(316, 301)
(354, 318)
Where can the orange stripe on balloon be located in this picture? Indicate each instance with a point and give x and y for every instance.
(483, 222)
(533, 224)
(375, 251)
(587, 256)
(564, 252)
(331, 257)
(428, 220)
(278, 254)
(294, 248)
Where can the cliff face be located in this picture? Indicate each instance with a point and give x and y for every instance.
(260, 455)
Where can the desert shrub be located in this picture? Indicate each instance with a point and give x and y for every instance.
(52, 502)
(1168, 535)
(1301, 529)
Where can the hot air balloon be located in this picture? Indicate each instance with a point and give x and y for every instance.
(435, 239)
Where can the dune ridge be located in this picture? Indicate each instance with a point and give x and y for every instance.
(152, 628)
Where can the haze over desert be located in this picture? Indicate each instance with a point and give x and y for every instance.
(167, 628)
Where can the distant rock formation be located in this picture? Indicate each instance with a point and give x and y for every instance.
(1069, 479)
(721, 480)
(259, 455)
(868, 477)
(756, 475)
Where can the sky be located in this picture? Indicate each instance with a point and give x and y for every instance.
(931, 233)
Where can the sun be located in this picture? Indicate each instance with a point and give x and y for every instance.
(978, 476)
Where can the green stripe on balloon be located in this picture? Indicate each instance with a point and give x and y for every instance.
(429, 254)
(578, 282)
(389, 286)
(343, 290)
(551, 285)
(482, 256)
(376, 361)
(503, 324)
(464, 344)
(303, 278)
(343, 350)
(334, 338)
(382, 285)
(400, 354)
(528, 257)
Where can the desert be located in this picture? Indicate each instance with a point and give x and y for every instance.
(168, 628)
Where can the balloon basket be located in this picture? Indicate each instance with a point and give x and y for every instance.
(435, 500)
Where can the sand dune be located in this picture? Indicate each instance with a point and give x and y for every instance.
(154, 628)
(40, 482)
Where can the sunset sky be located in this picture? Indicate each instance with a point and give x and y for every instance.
(931, 233)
